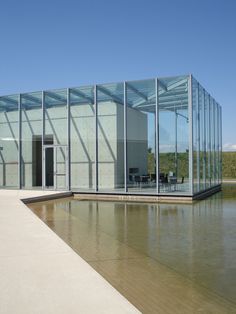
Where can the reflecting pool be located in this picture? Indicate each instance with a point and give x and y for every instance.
(164, 258)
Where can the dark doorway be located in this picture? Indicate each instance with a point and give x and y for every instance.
(37, 159)
(49, 171)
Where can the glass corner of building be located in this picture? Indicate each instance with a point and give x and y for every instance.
(145, 137)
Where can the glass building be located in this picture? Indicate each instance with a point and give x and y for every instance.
(157, 136)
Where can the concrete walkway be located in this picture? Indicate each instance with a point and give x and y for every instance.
(39, 273)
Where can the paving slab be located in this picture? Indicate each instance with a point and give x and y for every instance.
(42, 274)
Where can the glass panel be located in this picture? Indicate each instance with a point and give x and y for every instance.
(201, 138)
(212, 133)
(9, 134)
(173, 136)
(60, 168)
(110, 99)
(216, 144)
(141, 148)
(220, 143)
(56, 117)
(31, 160)
(82, 133)
(141, 158)
(196, 135)
(208, 151)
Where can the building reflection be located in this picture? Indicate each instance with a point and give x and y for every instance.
(187, 238)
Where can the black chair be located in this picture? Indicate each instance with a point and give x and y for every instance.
(153, 177)
(163, 180)
(161, 177)
(137, 179)
(144, 178)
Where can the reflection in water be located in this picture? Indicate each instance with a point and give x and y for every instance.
(165, 258)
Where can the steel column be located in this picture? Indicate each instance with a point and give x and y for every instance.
(157, 133)
(176, 146)
(209, 143)
(96, 138)
(220, 122)
(125, 137)
(19, 143)
(43, 133)
(68, 163)
(198, 124)
(204, 138)
(190, 115)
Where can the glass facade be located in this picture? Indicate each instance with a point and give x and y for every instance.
(9, 141)
(158, 136)
(31, 140)
(82, 138)
(207, 139)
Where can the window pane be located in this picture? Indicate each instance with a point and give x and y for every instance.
(141, 148)
(56, 117)
(174, 136)
(82, 138)
(110, 99)
(9, 141)
(196, 136)
(31, 157)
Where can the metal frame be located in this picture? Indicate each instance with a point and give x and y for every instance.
(198, 138)
(96, 138)
(43, 132)
(220, 126)
(55, 148)
(176, 143)
(214, 144)
(217, 147)
(125, 138)
(204, 138)
(190, 115)
(68, 139)
(210, 142)
(157, 133)
(19, 142)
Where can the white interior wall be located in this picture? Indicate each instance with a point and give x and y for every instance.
(110, 143)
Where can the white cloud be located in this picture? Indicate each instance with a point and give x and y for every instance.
(229, 147)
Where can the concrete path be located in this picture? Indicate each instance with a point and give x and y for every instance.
(39, 273)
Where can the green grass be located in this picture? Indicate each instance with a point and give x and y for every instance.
(167, 164)
(229, 165)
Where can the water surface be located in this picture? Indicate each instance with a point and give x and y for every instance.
(165, 258)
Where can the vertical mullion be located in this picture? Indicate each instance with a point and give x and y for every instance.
(199, 124)
(219, 161)
(96, 138)
(157, 133)
(209, 143)
(125, 137)
(19, 142)
(190, 115)
(213, 148)
(176, 139)
(204, 139)
(68, 156)
(220, 122)
(43, 132)
(198, 137)
(217, 147)
(55, 167)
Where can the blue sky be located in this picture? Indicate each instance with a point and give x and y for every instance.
(53, 44)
